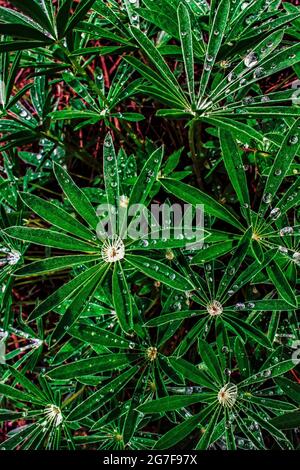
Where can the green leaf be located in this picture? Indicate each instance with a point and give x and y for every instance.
(186, 39)
(212, 252)
(290, 388)
(269, 373)
(63, 293)
(75, 308)
(76, 197)
(156, 58)
(160, 272)
(210, 359)
(281, 165)
(176, 402)
(111, 176)
(249, 330)
(216, 35)
(242, 358)
(281, 283)
(122, 298)
(94, 335)
(80, 11)
(234, 167)
(166, 318)
(102, 396)
(235, 262)
(13, 394)
(93, 365)
(184, 429)
(50, 238)
(287, 421)
(35, 12)
(56, 216)
(278, 435)
(56, 263)
(147, 178)
(191, 372)
(196, 197)
(207, 436)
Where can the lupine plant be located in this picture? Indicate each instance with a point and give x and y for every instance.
(149, 234)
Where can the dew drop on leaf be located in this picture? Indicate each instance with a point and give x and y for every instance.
(251, 59)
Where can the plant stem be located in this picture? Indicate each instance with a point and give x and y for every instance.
(194, 154)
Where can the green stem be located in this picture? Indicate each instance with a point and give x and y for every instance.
(194, 153)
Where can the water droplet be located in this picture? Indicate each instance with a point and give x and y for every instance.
(296, 257)
(275, 213)
(231, 76)
(251, 59)
(259, 72)
(286, 231)
(244, 5)
(267, 373)
(267, 198)
(293, 140)
(240, 306)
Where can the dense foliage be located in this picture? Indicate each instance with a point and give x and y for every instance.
(149, 342)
